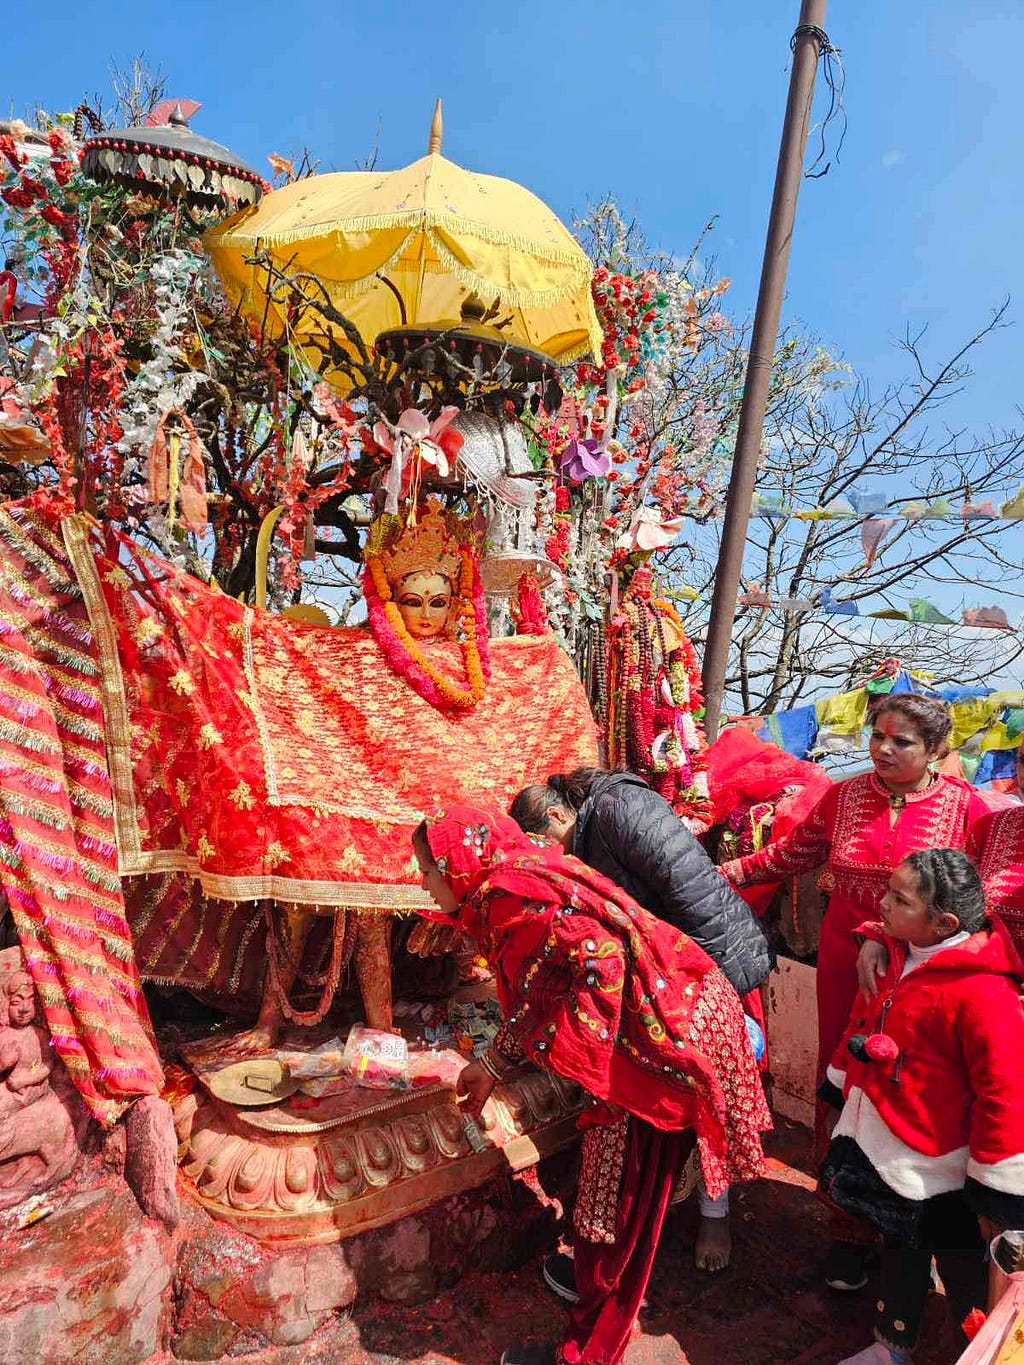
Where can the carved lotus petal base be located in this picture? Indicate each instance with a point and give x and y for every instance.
(288, 1178)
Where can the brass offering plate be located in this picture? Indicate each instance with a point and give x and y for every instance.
(252, 1084)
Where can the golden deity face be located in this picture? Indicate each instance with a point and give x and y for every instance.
(424, 600)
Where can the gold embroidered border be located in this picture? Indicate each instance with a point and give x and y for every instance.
(269, 768)
(44, 532)
(52, 570)
(234, 981)
(360, 895)
(115, 703)
(25, 592)
(44, 645)
(74, 721)
(20, 736)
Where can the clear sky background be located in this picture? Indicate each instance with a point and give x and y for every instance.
(674, 106)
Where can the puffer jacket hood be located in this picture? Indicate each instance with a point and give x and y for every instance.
(632, 835)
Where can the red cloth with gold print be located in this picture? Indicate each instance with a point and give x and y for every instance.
(270, 758)
(999, 852)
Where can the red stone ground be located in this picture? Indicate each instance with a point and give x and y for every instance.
(769, 1308)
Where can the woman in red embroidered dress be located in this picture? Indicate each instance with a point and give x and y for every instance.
(599, 991)
(998, 849)
(859, 832)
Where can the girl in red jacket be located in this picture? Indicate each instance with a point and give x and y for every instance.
(929, 1146)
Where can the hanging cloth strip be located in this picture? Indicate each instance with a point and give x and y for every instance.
(58, 862)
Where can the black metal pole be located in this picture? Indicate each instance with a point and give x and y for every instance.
(806, 51)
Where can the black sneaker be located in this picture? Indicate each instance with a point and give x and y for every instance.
(846, 1267)
(559, 1273)
(528, 1355)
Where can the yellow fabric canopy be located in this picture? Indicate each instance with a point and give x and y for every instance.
(436, 233)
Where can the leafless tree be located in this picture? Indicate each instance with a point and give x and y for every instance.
(138, 88)
(827, 438)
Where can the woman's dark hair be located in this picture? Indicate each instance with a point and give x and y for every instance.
(931, 719)
(529, 809)
(949, 882)
(421, 844)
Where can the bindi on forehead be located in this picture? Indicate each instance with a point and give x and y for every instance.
(431, 583)
(895, 727)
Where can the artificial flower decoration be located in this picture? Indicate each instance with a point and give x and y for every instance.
(434, 443)
(648, 530)
(584, 459)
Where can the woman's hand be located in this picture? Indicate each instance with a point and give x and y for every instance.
(872, 963)
(475, 1083)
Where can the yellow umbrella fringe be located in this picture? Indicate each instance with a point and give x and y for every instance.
(510, 297)
(225, 236)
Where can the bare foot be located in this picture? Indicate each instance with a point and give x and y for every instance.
(257, 1041)
(713, 1246)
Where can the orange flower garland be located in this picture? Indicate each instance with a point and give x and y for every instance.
(445, 690)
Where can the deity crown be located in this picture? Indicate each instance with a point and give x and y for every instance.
(428, 545)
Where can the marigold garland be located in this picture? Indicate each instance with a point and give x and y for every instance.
(403, 654)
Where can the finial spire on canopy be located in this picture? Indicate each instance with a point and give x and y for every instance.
(436, 129)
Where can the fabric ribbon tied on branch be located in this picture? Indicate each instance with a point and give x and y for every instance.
(180, 482)
(436, 444)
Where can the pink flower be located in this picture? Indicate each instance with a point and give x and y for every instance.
(434, 443)
(648, 530)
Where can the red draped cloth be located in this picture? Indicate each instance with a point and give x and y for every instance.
(58, 861)
(601, 992)
(269, 758)
(998, 848)
(745, 772)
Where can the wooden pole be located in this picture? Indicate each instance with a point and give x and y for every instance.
(806, 50)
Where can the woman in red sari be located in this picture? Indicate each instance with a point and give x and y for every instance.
(597, 990)
(998, 849)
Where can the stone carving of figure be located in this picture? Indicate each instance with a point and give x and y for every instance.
(38, 1146)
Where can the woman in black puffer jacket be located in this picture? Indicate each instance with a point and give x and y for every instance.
(615, 823)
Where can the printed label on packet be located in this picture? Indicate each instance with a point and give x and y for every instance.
(474, 1136)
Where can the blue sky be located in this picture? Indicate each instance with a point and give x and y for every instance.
(673, 107)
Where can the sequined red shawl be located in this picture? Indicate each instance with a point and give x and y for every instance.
(594, 987)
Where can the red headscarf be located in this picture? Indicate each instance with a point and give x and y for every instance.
(595, 988)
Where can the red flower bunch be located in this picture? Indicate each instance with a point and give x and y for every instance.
(528, 608)
(631, 312)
